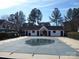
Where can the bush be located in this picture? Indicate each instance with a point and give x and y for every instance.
(12, 35)
(73, 35)
(4, 36)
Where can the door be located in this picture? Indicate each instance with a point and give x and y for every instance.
(37, 33)
(61, 33)
(44, 33)
(49, 33)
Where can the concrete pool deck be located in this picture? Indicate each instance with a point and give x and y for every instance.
(70, 42)
(29, 56)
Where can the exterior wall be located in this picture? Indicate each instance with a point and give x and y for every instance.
(78, 29)
(33, 33)
(1, 26)
(57, 33)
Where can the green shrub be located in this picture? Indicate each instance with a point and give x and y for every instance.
(73, 35)
(4, 36)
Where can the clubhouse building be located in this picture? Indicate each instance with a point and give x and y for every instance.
(43, 30)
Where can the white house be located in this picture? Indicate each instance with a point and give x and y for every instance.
(43, 31)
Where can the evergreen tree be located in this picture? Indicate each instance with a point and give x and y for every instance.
(35, 16)
(56, 17)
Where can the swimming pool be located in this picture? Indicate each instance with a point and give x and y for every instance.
(39, 41)
(55, 48)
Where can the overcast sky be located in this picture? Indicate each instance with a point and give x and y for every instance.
(46, 6)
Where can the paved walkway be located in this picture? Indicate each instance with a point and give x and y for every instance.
(29, 56)
(71, 42)
(74, 44)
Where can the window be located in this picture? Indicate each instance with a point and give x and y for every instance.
(54, 31)
(33, 31)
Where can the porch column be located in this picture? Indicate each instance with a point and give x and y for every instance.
(25, 32)
(39, 32)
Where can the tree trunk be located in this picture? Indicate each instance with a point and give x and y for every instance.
(56, 22)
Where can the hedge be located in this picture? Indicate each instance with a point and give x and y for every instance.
(73, 35)
(4, 36)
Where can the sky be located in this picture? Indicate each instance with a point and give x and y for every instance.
(8, 7)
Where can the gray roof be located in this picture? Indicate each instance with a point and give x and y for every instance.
(54, 27)
(44, 24)
(32, 27)
(38, 27)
